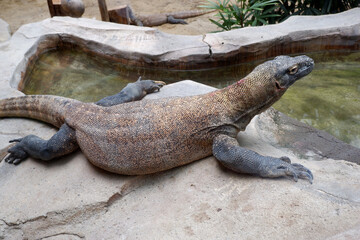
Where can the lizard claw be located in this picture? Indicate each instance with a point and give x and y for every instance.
(16, 140)
(278, 167)
(159, 84)
(150, 86)
(304, 173)
(285, 159)
(16, 153)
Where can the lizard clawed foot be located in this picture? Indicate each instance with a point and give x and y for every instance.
(158, 85)
(16, 140)
(16, 153)
(278, 167)
(150, 86)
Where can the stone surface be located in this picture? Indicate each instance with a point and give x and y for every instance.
(303, 139)
(4, 31)
(298, 34)
(69, 198)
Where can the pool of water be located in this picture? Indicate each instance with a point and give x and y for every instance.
(328, 98)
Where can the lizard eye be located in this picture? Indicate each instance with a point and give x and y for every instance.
(292, 70)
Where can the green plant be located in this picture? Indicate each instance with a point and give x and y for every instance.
(242, 13)
(311, 7)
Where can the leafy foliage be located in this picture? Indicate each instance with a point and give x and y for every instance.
(242, 13)
(311, 7)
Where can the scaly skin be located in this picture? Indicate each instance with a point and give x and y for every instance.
(162, 18)
(149, 136)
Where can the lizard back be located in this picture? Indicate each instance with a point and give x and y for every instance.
(147, 136)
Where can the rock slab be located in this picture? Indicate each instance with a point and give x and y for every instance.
(4, 31)
(71, 199)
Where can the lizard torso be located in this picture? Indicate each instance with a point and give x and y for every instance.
(154, 135)
(162, 18)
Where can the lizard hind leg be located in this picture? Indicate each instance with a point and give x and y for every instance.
(62, 143)
(227, 150)
(172, 20)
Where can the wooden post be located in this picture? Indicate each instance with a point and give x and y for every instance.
(55, 8)
(119, 14)
(103, 11)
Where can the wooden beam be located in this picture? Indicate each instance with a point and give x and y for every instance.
(55, 8)
(103, 11)
(119, 14)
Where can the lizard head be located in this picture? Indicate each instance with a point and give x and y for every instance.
(264, 86)
(279, 74)
(270, 80)
(287, 70)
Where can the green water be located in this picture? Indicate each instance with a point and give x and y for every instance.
(328, 98)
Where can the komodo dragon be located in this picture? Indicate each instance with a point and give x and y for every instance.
(148, 136)
(161, 18)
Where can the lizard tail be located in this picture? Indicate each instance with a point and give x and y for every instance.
(190, 14)
(46, 108)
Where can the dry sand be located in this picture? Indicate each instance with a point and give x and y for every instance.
(19, 12)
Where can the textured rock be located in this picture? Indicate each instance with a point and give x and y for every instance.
(4, 31)
(298, 34)
(70, 198)
(304, 140)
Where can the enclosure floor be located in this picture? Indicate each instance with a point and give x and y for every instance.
(17, 13)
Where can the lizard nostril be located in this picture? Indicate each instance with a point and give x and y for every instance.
(277, 84)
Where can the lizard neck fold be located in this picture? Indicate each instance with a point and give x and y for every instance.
(244, 99)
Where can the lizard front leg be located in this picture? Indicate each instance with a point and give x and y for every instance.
(132, 92)
(133, 19)
(227, 150)
(62, 143)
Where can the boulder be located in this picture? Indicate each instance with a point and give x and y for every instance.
(73, 8)
(69, 198)
(5, 32)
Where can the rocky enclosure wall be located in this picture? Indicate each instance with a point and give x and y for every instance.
(141, 46)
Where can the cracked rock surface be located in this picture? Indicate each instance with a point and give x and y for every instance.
(71, 199)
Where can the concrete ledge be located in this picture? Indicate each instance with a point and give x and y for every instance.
(70, 198)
